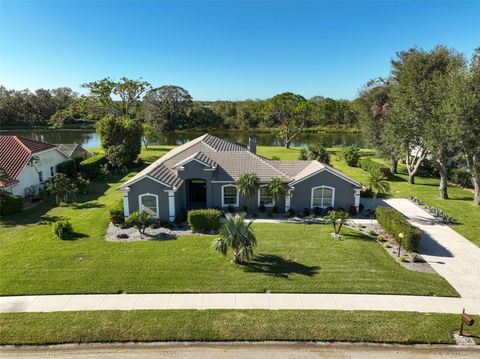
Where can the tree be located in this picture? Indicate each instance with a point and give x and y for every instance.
(121, 138)
(60, 186)
(248, 184)
(140, 220)
(290, 111)
(464, 106)
(237, 235)
(277, 187)
(351, 155)
(417, 107)
(377, 183)
(337, 219)
(167, 107)
(129, 91)
(374, 100)
(316, 152)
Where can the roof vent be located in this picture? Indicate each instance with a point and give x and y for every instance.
(252, 144)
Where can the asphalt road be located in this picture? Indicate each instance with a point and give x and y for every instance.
(242, 350)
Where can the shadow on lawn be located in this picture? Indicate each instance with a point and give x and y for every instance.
(271, 264)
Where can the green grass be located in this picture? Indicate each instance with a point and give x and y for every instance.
(460, 205)
(291, 258)
(228, 325)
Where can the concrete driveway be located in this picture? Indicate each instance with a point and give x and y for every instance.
(450, 254)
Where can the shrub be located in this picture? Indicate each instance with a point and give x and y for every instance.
(62, 229)
(245, 209)
(230, 209)
(261, 208)
(181, 218)
(315, 152)
(116, 215)
(372, 232)
(461, 177)
(92, 166)
(306, 212)
(83, 185)
(204, 220)
(317, 211)
(394, 223)
(351, 155)
(67, 168)
(353, 210)
(402, 259)
(291, 212)
(10, 204)
(275, 209)
(371, 166)
(140, 220)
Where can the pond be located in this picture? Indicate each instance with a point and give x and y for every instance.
(89, 138)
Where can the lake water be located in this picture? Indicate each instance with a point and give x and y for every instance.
(89, 138)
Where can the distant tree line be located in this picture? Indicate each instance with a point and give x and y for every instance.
(167, 108)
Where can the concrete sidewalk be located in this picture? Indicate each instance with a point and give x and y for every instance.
(272, 301)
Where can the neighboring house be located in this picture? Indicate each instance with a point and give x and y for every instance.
(27, 163)
(73, 150)
(202, 174)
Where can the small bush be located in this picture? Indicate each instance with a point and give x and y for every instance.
(402, 259)
(351, 155)
(68, 168)
(204, 220)
(92, 166)
(181, 218)
(291, 212)
(10, 204)
(353, 210)
(306, 212)
(254, 215)
(380, 238)
(270, 215)
(116, 215)
(317, 211)
(83, 185)
(62, 229)
(275, 209)
(394, 223)
(230, 209)
(372, 232)
(262, 208)
(461, 177)
(245, 209)
(371, 166)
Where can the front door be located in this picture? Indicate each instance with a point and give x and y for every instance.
(197, 193)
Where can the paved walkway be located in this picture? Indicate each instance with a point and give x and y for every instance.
(55, 303)
(451, 255)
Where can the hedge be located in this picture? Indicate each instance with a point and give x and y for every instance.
(90, 167)
(371, 166)
(10, 204)
(204, 220)
(394, 223)
(67, 168)
(461, 177)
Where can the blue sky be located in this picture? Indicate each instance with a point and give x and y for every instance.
(224, 49)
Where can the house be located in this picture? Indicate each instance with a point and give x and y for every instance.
(202, 174)
(27, 164)
(73, 150)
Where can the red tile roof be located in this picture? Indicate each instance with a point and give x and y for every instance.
(15, 152)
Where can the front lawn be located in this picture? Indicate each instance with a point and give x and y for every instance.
(290, 258)
(228, 325)
(460, 205)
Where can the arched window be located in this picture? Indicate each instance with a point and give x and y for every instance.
(323, 197)
(229, 195)
(148, 203)
(265, 197)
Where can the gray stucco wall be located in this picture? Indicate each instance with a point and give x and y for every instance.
(146, 185)
(344, 191)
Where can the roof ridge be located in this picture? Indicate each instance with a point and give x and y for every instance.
(19, 140)
(268, 164)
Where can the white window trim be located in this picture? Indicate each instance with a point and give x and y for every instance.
(333, 196)
(258, 202)
(156, 199)
(236, 204)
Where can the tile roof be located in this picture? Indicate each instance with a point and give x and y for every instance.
(15, 152)
(229, 159)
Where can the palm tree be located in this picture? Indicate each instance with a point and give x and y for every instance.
(277, 188)
(237, 235)
(248, 184)
(377, 183)
(336, 217)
